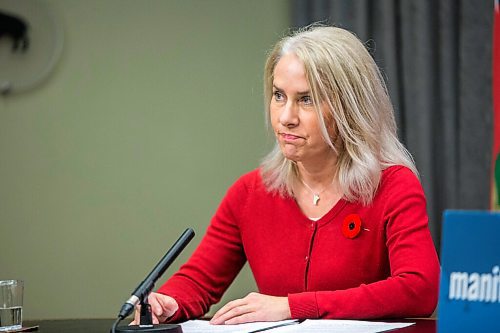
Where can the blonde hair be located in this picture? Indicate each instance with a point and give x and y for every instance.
(342, 74)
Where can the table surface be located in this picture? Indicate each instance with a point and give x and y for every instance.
(104, 325)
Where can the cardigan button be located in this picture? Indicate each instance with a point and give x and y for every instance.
(306, 258)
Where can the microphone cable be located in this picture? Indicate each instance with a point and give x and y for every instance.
(115, 324)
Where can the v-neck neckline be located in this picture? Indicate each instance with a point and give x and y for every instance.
(334, 211)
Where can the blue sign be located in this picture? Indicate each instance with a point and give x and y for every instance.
(469, 295)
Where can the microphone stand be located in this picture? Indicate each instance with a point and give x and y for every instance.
(146, 323)
(140, 295)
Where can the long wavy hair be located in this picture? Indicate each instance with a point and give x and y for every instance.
(342, 74)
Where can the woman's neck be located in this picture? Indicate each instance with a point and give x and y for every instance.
(317, 189)
(317, 174)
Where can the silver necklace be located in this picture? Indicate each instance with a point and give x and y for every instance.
(316, 197)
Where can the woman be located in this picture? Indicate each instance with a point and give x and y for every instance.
(333, 223)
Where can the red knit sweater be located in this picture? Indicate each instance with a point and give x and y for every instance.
(390, 269)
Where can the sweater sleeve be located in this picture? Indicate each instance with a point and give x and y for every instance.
(219, 257)
(411, 290)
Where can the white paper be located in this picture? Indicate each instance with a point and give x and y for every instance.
(340, 326)
(203, 326)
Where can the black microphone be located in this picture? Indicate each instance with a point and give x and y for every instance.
(142, 291)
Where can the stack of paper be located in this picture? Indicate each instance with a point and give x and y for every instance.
(307, 326)
(203, 326)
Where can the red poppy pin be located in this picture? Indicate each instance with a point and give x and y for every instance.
(351, 225)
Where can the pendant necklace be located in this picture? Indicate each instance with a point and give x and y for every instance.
(316, 197)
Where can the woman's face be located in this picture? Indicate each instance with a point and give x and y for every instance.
(293, 115)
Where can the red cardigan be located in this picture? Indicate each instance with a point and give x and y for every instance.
(390, 269)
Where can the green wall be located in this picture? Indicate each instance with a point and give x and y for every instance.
(153, 111)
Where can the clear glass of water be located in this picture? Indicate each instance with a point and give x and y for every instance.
(11, 304)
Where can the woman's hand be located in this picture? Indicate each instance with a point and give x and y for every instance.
(162, 308)
(253, 307)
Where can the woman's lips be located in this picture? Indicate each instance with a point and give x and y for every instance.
(290, 137)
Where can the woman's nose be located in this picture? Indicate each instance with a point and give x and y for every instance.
(289, 116)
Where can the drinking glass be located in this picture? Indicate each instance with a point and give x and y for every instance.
(11, 304)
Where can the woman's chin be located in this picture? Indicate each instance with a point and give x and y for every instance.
(291, 153)
(291, 157)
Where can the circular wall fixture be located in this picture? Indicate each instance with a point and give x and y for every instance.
(31, 43)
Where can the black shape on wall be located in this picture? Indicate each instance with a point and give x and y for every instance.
(15, 28)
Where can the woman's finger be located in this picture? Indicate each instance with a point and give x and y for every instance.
(234, 312)
(156, 306)
(136, 316)
(219, 316)
(244, 318)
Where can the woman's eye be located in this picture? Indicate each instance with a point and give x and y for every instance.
(278, 96)
(307, 100)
